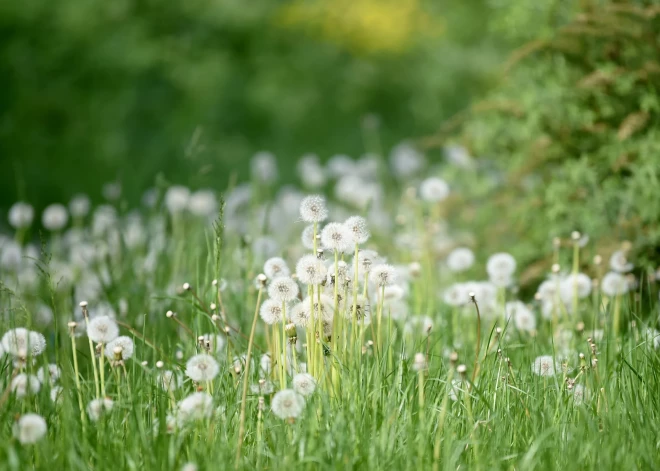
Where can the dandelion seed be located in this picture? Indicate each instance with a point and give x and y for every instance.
(460, 259)
(25, 385)
(614, 284)
(337, 237)
(271, 311)
(98, 407)
(124, 343)
(544, 366)
(52, 374)
(358, 227)
(21, 215)
(310, 270)
(23, 342)
(287, 404)
(304, 384)
(313, 209)
(276, 267)
(30, 428)
(382, 275)
(434, 190)
(196, 406)
(283, 289)
(102, 329)
(202, 367)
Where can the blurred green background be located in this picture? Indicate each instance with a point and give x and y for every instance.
(93, 91)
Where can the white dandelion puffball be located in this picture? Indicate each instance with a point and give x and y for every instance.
(304, 384)
(307, 237)
(313, 209)
(283, 289)
(25, 385)
(500, 265)
(21, 215)
(457, 295)
(124, 343)
(434, 190)
(337, 237)
(544, 366)
(406, 161)
(203, 203)
(264, 167)
(287, 404)
(271, 311)
(619, 263)
(98, 407)
(56, 393)
(460, 259)
(21, 342)
(614, 284)
(176, 199)
(300, 313)
(580, 394)
(196, 406)
(311, 172)
(521, 316)
(310, 270)
(579, 284)
(102, 329)
(55, 217)
(79, 206)
(382, 275)
(358, 226)
(51, 373)
(202, 367)
(30, 428)
(275, 267)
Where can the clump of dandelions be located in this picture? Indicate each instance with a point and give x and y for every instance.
(544, 366)
(304, 384)
(30, 428)
(337, 237)
(313, 209)
(98, 407)
(287, 404)
(310, 270)
(102, 329)
(202, 367)
(283, 289)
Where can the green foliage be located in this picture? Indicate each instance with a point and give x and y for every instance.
(573, 134)
(93, 91)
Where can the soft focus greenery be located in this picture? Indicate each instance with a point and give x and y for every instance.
(93, 91)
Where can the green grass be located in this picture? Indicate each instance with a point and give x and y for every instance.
(374, 412)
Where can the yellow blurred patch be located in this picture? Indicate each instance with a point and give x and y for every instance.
(363, 26)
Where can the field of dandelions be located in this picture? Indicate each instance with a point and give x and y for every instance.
(341, 324)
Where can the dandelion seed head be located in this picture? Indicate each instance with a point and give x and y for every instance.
(196, 406)
(382, 275)
(544, 366)
(614, 284)
(420, 363)
(30, 428)
(51, 373)
(307, 237)
(177, 198)
(337, 237)
(203, 203)
(313, 209)
(304, 384)
(99, 407)
(619, 262)
(25, 385)
(287, 404)
(102, 329)
(55, 217)
(359, 228)
(23, 342)
(283, 289)
(79, 206)
(500, 266)
(271, 311)
(263, 167)
(21, 215)
(434, 190)
(169, 380)
(202, 367)
(276, 267)
(460, 259)
(310, 270)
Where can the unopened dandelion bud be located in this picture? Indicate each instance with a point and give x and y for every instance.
(415, 269)
(319, 254)
(200, 340)
(83, 304)
(498, 331)
(179, 355)
(575, 235)
(117, 352)
(169, 314)
(213, 306)
(453, 358)
(160, 364)
(186, 286)
(370, 343)
(215, 318)
(594, 362)
(472, 296)
(598, 260)
(261, 280)
(227, 329)
(214, 283)
(420, 364)
(537, 297)
(555, 268)
(145, 363)
(262, 403)
(580, 327)
(556, 242)
(461, 369)
(72, 327)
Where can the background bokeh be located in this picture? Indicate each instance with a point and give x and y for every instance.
(94, 91)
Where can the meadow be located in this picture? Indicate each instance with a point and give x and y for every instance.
(341, 323)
